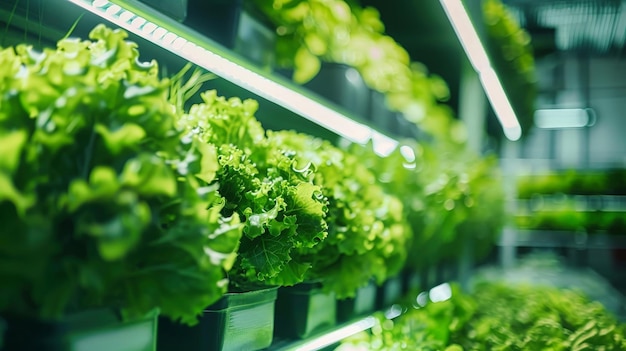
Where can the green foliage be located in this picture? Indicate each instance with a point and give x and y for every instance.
(103, 202)
(532, 318)
(485, 202)
(367, 233)
(553, 201)
(572, 182)
(419, 328)
(283, 210)
(497, 316)
(314, 31)
(451, 197)
(568, 217)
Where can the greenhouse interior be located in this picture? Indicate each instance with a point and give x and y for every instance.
(312, 175)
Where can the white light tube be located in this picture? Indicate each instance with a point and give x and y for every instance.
(382, 144)
(564, 118)
(477, 56)
(174, 37)
(337, 335)
(500, 103)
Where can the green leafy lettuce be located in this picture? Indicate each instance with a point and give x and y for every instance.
(283, 210)
(451, 197)
(367, 234)
(102, 200)
(497, 316)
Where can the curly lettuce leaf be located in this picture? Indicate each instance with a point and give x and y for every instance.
(222, 121)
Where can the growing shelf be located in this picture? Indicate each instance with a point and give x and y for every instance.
(285, 105)
(239, 76)
(615, 203)
(512, 237)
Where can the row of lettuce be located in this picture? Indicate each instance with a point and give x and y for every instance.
(495, 316)
(113, 193)
(313, 32)
(610, 181)
(590, 201)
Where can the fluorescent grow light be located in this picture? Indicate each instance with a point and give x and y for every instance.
(193, 47)
(336, 335)
(477, 55)
(564, 118)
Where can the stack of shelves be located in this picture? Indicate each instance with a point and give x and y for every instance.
(579, 214)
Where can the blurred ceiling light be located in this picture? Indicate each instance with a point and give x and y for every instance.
(477, 56)
(193, 47)
(440, 293)
(560, 118)
(408, 153)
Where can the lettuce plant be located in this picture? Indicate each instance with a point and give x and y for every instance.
(282, 209)
(104, 201)
(367, 233)
(450, 196)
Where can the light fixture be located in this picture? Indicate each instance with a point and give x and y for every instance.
(335, 336)
(193, 47)
(475, 51)
(560, 118)
(382, 144)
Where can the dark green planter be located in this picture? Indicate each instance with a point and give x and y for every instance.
(238, 321)
(97, 330)
(176, 9)
(303, 310)
(363, 303)
(389, 292)
(237, 26)
(344, 86)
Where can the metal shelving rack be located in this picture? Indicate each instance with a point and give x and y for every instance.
(599, 250)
